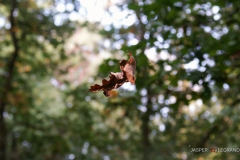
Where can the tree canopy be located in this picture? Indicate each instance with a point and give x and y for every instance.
(186, 92)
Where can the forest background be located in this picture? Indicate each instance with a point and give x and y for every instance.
(186, 93)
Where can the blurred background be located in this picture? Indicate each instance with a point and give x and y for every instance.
(186, 92)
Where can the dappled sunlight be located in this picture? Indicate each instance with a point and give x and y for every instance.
(181, 91)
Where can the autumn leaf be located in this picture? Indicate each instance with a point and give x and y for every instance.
(130, 69)
(116, 80)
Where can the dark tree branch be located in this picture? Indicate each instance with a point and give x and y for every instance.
(8, 81)
(206, 137)
(216, 127)
(237, 101)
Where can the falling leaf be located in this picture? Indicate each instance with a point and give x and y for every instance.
(116, 80)
(130, 69)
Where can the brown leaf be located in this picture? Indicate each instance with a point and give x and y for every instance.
(130, 69)
(116, 80)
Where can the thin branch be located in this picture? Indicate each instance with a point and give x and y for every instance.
(216, 127)
(206, 137)
(142, 26)
(237, 101)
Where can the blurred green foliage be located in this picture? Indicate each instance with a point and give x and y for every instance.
(172, 106)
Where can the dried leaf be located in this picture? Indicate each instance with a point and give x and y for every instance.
(116, 80)
(130, 69)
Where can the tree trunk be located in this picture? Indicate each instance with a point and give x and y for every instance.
(146, 131)
(8, 83)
